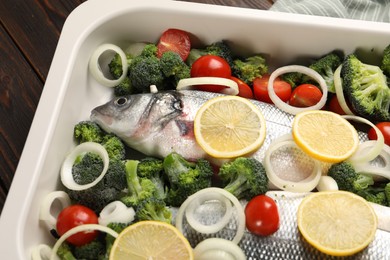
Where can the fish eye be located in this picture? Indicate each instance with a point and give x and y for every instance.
(121, 101)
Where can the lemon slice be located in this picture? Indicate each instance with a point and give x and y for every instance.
(151, 240)
(229, 126)
(337, 223)
(324, 135)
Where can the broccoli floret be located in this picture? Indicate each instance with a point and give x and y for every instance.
(387, 193)
(219, 48)
(365, 86)
(185, 177)
(64, 252)
(150, 50)
(115, 65)
(326, 67)
(93, 250)
(88, 131)
(385, 65)
(293, 78)
(244, 177)
(109, 189)
(114, 146)
(145, 71)
(348, 179)
(124, 88)
(250, 68)
(153, 169)
(374, 194)
(153, 209)
(138, 188)
(174, 67)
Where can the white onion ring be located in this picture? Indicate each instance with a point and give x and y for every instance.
(96, 70)
(66, 169)
(357, 157)
(116, 212)
(45, 214)
(305, 185)
(78, 229)
(300, 69)
(188, 83)
(231, 197)
(41, 252)
(339, 91)
(218, 249)
(214, 228)
(327, 183)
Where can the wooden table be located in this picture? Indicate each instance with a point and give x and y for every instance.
(29, 32)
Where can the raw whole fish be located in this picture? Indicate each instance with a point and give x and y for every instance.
(156, 124)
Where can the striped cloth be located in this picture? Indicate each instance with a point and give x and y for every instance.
(369, 10)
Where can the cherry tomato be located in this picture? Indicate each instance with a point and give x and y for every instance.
(73, 216)
(305, 95)
(260, 89)
(174, 40)
(211, 66)
(262, 216)
(334, 106)
(243, 89)
(384, 127)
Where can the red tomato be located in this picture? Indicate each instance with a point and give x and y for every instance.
(305, 95)
(174, 40)
(243, 89)
(384, 127)
(260, 89)
(335, 107)
(262, 216)
(211, 66)
(73, 216)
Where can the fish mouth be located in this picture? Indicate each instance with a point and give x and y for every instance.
(100, 118)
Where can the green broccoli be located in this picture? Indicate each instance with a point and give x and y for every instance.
(124, 88)
(348, 179)
(114, 146)
(185, 177)
(115, 65)
(374, 194)
(153, 209)
(385, 64)
(173, 67)
(250, 68)
(326, 67)
(65, 252)
(88, 131)
(93, 250)
(150, 50)
(365, 87)
(138, 188)
(109, 189)
(153, 169)
(293, 78)
(387, 193)
(219, 48)
(244, 177)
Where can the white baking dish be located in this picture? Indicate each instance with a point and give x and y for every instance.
(70, 93)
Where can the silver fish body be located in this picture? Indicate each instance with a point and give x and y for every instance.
(157, 124)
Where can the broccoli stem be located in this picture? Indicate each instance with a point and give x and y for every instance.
(133, 183)
(237, 187)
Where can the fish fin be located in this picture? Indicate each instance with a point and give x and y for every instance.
(186, 128)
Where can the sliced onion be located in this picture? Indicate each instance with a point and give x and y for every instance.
(368, 168)
(45, 212)
(362, 157)
(305, 185)
(214, 228)
(153, 89)
(231, 197)
(77, 229)
(41, 252)
(218, 249)
(116, 212)
(327, 183)
(300, 69)
(96, 70)
(383, 214)
(189, 83)
(339, 91)
(66, 169)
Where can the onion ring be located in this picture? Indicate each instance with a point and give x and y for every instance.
(66, 169)
(304, 70)
(41, 252)
(96, 70)
(339, 91)
(231, 197)
(45, 210)
(188, 83)
(116, 212)
(218, 248)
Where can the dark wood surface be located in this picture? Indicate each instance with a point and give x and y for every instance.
(29, 32)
